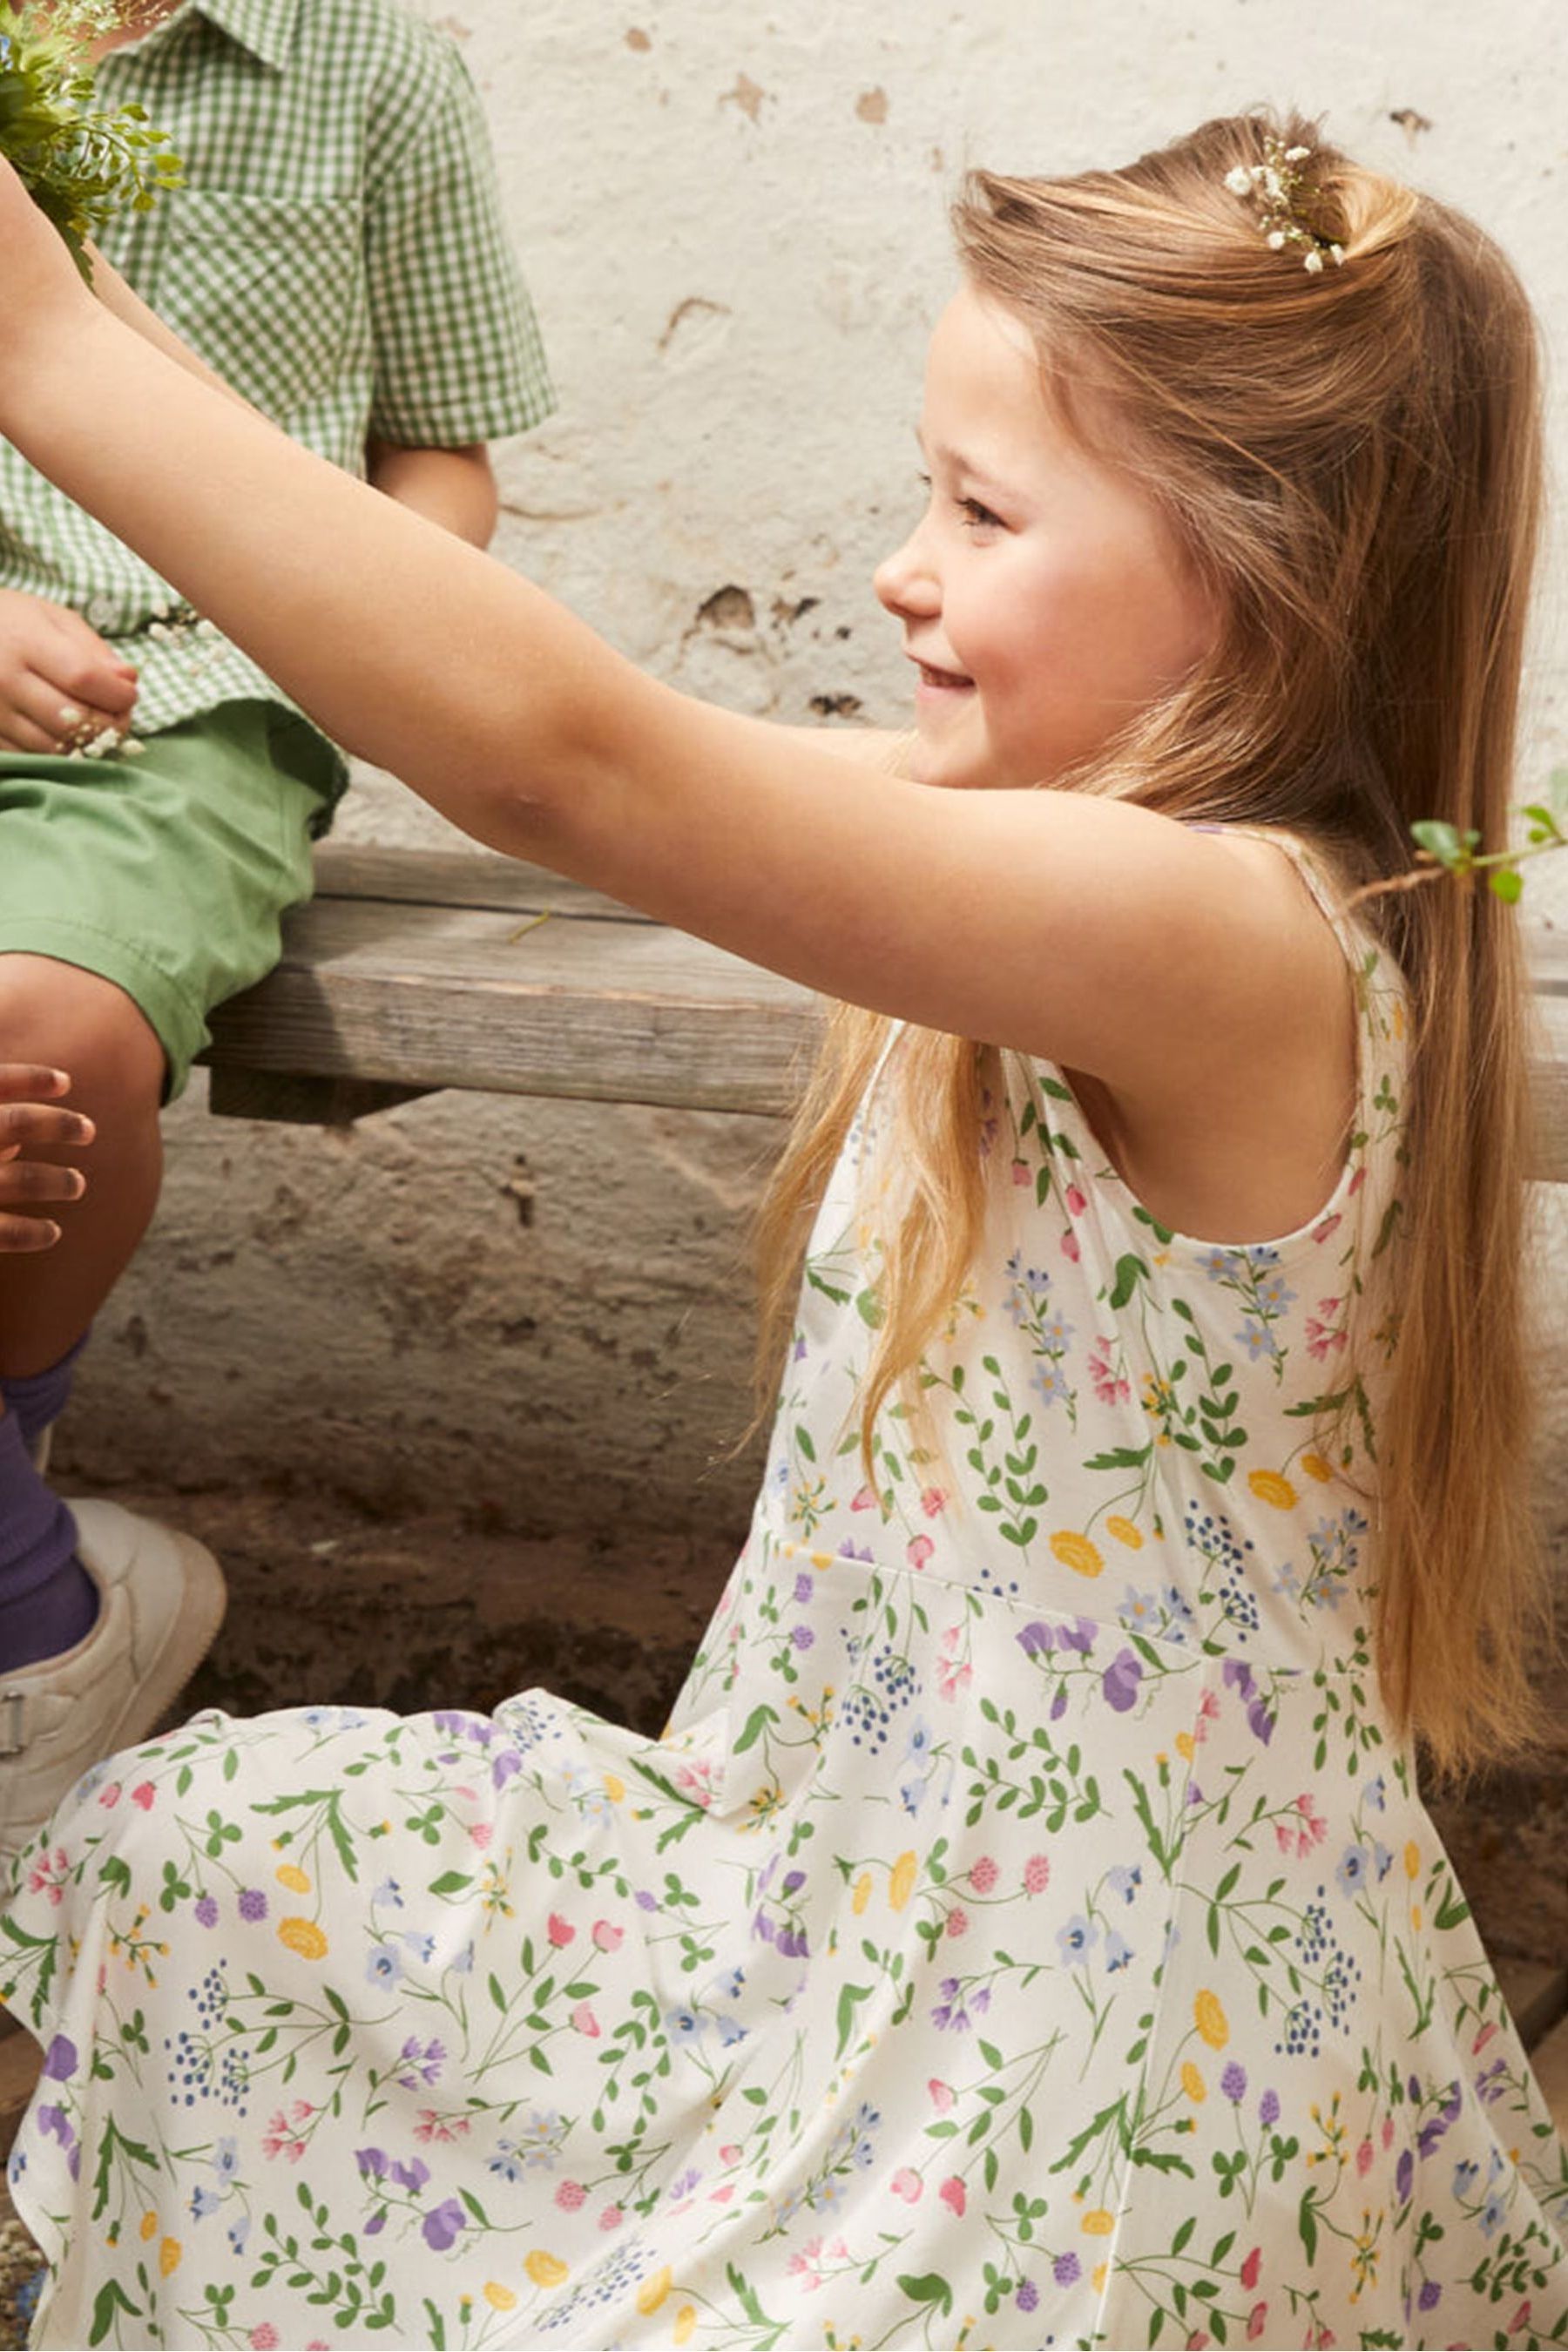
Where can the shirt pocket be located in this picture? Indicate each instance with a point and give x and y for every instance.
(267, 290)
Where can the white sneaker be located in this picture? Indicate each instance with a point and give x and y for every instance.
(161, 1601)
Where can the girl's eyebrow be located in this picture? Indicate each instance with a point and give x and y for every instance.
(956, 462)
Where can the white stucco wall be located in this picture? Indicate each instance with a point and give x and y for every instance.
(733, 222)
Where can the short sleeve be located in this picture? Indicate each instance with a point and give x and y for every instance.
(459, 355)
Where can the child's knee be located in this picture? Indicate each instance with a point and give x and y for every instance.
(74, 1020)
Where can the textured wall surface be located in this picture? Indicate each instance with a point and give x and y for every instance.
(733, 222)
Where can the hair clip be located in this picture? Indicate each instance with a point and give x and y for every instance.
(1278, 186)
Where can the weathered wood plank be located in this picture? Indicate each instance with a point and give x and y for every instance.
(421, 969)
(597, 1009)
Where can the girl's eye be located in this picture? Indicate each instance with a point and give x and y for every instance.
(977, 517)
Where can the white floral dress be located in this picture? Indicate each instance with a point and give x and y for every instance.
(1027, 1932)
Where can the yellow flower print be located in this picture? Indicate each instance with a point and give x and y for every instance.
(498, 2297)
(289, 1874)
(685, 2323)
(652, 2292)
(1193, 2083)
(1124, 1531)
(614, 1788)
(169, 2255)
(1185, 1748)
(901, 1881)
(1412, 1859)
(545, 2269)
(1316, 1467)
(148, 2225)
(1210, 2019)
(303, 1936)
(1077, 1552)
(1270, 1486)
(1098, 2223)
(862, 1895)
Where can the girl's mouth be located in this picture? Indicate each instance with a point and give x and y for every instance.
(943, 681)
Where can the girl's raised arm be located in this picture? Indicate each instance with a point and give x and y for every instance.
(1090, 932)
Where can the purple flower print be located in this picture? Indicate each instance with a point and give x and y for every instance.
(1067, 2270)
(505, 1768)
(371, 2162)
(803, 1637)
(646, 1901)
(804, 1589)
(1037, 1640)
(1433, 2129)
(206, 1911)
(1403, 2175)
(1079, 1636)
(1121, 1680)
(413, 2175)
(1028, 2296)
(1233, 2083)
(1268, 2109)
(60, 2063)
(252, 1904)
(1058, 1706)
(952, 2013)
(54, 2125)
(439, 2228)
(1430, 2296)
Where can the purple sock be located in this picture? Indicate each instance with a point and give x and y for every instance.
(47, 1601)
(40, 1398)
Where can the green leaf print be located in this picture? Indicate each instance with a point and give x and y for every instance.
(1131, 1271)
(110, 2298)
(932, 2288)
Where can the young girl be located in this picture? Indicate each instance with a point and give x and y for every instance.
(1027, 1931)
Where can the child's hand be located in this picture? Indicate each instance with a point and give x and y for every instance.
(60, 686)
(27, 1121)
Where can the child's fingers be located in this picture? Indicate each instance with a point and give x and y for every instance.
(43, 1123)
(24, 1182)
(28, 1082)
(26, 1236)
(64, 715)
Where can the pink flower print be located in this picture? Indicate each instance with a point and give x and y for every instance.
(1363, 2157)
(434, 2127)
(1037, 1874)
(908, 2185)
(932, 1501)
(570, 2195)
(48, 1875)
(1325, 1229)
(942, 2094)
(263, 2339)
(1069, 1246)
(1198, 2339)
(1020, 1172)
(607, 1937)
(958, 1920)
(1323, 1334)
(1521, 2320)
(1387, 2134)
(732, 2152)
(561, 1931)
(1256, 2320)
(983, 1875)
(611, 2218)
(1250, 2268)
(863, 1499)
(109, 1797)
(1311, 1828)
(1358, 1179)
(919, 1550)
(143, 1795)
(481, 1833)
(952, 1674)
(585, 2021)
(1111, 1386)
(695, 1780)
(1482, 2038)
(954, 2195)
(1076, 1200)
(280, 2139)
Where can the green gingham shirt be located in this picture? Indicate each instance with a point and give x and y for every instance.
(337, 254)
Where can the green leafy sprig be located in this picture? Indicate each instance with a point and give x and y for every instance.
(1442, 848)
(80, 163)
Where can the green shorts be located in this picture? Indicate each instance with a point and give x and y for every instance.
(167, 873)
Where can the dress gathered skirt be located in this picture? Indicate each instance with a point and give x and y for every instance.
(1027, 1931)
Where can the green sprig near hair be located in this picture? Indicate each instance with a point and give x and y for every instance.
(80, 163)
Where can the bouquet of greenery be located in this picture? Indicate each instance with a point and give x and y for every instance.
(79, 163)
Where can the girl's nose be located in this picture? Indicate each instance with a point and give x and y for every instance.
(905, 580)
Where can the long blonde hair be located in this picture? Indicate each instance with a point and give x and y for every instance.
(1352, 460)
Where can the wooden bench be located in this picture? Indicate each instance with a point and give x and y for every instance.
(415, 969)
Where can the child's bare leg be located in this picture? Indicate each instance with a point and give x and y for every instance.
(72, 1019)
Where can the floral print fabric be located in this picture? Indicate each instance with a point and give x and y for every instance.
(1027, 1931)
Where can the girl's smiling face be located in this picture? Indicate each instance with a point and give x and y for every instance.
(1043, 597)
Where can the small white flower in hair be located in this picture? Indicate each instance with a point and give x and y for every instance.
(1284, 197)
